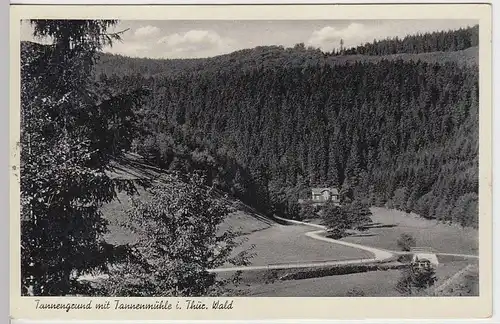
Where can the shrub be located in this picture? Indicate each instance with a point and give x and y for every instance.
(414, 281)
(336, 233)
(406, 242)
(355, 292)
(270, 276)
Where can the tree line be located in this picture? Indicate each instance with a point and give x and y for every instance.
(442, 41)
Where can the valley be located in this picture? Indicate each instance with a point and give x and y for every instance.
(277, 244)
(269, 171)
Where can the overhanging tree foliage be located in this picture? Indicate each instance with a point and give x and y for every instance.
(70, 131)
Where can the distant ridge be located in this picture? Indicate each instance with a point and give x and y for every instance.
(265, 57)
(458, 46)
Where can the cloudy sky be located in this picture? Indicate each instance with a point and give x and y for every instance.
(190, 39)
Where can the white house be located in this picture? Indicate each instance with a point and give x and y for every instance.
(322, 195)
(424, 258)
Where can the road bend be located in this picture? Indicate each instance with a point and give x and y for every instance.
(379, 255)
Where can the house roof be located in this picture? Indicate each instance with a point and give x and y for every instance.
(432, 258)
(319, 191)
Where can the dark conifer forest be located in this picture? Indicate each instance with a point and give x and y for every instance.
(266, 124)
(442, 41)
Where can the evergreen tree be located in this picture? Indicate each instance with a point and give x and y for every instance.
(178, 241)
(71, 129)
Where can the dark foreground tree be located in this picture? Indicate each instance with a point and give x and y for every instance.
(71, 129)
(178, 240)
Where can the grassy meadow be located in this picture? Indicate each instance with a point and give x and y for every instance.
(390, 224)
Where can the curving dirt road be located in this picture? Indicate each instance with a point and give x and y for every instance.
(379, 255)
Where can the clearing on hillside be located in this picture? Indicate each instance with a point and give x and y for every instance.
(389, 224)
(244, 220)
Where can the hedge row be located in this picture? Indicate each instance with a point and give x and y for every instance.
(339, 270)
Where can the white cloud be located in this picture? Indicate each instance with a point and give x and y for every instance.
(192, 44)
(146, 31)
(193, 41)
(354, 34)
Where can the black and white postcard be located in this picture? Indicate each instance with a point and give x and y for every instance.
(179, 162)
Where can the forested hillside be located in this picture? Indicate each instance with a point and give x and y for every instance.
(269, 123)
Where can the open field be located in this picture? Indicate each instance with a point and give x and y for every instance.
(377, 283)
(288, 244)
(442, 237)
